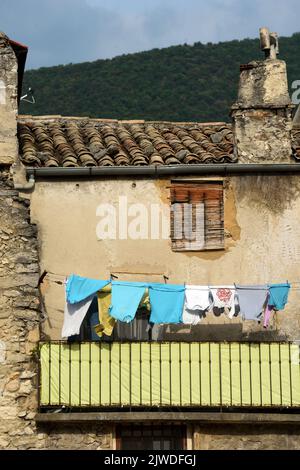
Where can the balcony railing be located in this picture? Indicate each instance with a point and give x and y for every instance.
(173, 374)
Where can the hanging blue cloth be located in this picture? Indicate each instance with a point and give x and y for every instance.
(79, 288)
(278, 295)
(125, 299)
(166, 302)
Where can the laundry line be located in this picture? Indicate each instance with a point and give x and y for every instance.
(62, 278)
(172, 303)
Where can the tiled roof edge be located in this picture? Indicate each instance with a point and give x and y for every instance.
(28, 117)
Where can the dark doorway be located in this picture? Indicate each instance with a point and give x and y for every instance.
(151, 437)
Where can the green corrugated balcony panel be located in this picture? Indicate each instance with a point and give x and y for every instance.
(169, 374)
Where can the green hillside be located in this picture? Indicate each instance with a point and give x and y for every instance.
(179, 83)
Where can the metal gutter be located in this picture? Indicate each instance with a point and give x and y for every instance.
(165, 170)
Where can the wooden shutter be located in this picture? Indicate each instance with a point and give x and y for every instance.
(197, 219)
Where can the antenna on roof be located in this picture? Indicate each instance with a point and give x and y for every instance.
(28, 96)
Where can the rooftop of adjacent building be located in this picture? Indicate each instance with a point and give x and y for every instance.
(58, 141)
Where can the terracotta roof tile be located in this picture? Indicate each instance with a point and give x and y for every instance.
(47, 141)
(71, 142)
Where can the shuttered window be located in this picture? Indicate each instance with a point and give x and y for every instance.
(197, 216)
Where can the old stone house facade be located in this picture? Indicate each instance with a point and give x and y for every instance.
(56, 172)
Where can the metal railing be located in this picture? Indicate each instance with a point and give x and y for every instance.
(169, 374)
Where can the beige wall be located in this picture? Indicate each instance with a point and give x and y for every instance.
(262, 226)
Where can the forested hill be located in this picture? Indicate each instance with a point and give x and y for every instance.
(178, 83)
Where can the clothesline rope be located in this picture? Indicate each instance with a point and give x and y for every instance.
(295, 285)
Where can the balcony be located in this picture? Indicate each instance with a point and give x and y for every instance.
(169, 375)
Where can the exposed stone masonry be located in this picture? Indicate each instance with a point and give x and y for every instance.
(249, 437)
(262, 114)
(8, 102)
(84, 437)
(19, 335)
(19, 319)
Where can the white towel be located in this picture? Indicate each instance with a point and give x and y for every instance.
(197, 297)
(74, 315)
(197, 300)
(224, 297)
(191, 317)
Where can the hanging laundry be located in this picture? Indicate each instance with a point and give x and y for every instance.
(268, 311)
(91, 321)
(251, 300)
(79, 288)
(278, 295)
(106, 322)
(167, 301)
(277, 299)
(74, 315)
(137, 330)
(237, 307)
(197, 301)
(145, 303)
(191, 317)
(223, 300)
(197, 297)
(125, 299)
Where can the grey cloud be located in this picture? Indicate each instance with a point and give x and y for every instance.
(64, 31)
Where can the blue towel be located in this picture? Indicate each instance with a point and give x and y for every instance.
(278, 295)
(125, 299)
(79, 288)
(166, 303)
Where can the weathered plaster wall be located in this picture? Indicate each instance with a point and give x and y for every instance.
(264, 83)
(262, 245)
(249, 437)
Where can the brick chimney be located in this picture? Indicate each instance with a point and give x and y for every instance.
(262, 114)
(8, 102)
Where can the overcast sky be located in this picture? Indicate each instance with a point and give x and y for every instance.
(64, 31)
